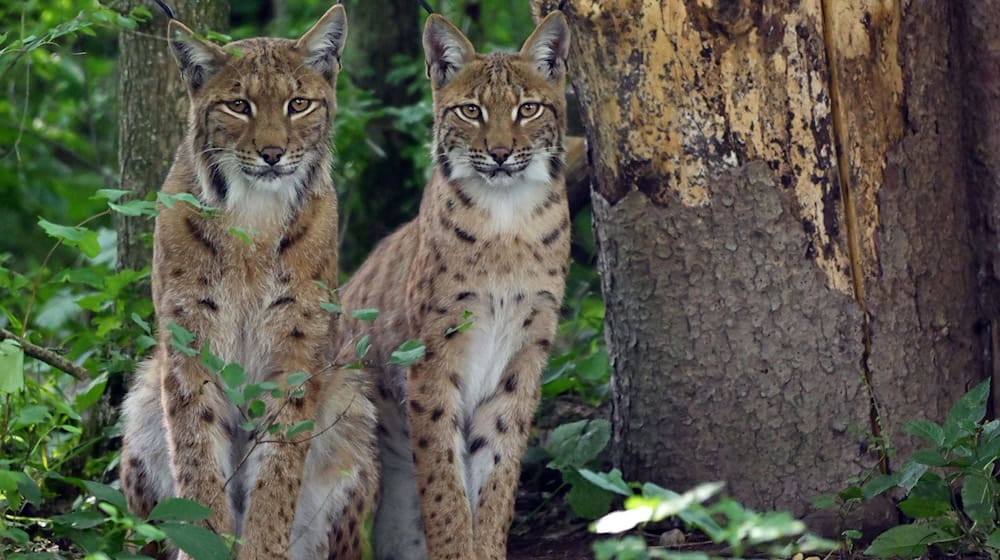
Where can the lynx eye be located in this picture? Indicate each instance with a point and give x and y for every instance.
(528, 110)
(298, 105)
(239, 106)
(470, 111)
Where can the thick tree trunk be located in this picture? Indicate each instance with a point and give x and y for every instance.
(762, 292)
(153, 108)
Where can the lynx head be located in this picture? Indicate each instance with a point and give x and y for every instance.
(499, 118)
(261, 112)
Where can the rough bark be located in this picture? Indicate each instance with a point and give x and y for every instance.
(761, 291)
(153, 109)
(979, 24)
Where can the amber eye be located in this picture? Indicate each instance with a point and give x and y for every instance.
(528, 110)
(298, 105)
(470, 111)
(239, 106)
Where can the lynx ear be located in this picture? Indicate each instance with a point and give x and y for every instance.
(197, 59)
(446, 50)
(324, 42)
(548, 46)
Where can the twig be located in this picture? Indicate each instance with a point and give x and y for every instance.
(48, 356)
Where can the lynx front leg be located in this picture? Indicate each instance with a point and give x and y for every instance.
(199, 445)
(499, 435)
(437, 455)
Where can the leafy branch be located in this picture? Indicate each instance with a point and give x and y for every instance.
(47, 356)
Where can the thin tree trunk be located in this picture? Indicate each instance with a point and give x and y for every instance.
(764, 296)
(153, 108)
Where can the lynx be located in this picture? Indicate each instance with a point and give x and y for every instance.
(478, 277)
(257, 155)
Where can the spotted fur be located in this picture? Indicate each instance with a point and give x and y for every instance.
(491, 239)
(257, 153)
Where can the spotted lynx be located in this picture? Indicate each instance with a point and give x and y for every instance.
(257, 153)
(478, 277)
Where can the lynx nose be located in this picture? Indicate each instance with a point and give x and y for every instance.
(271, 154)
(500, 155)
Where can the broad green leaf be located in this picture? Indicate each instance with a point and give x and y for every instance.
(926, 430)
(594, 368)
(966, 413)
(585, 499)
(907, 541)
(910, 474)
(92, 392)
(331, 307)
(824, 501)
(146, 530)
(929, 457)
(929, 498)
(179, 509)
(11, 366)
(467, 321)
(244, 235)
(196, 540)
(978, 500)
(135, 208)
(80, 519)
(611, 481)
(233, 376)
(408, 353)
(109, 194)
(577, 443)
(878, 485)
(993, 541)
(367, 314)
(210, 360)
(80, 237)
(106, 493)
(297, 378)
(256, 409)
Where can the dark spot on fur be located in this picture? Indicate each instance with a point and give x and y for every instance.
(477, 444)
(464, 295)
(207, 416)
(416, 406)
(436, 414)
(296, 333)
(501, 425)
(284, 300)
(195, 230)
(464, 235)
(206, 302)
(422, 443)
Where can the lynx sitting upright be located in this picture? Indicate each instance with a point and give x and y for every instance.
(257, 154)
(478, 277)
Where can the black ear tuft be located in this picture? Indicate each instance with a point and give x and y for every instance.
(548, 46)
(324, 42)
(197, 59)
(446, 50)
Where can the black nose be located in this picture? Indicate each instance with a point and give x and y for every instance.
(500, 155)
(271, 154)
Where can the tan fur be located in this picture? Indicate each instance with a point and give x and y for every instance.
(454, 425)
(257, 305)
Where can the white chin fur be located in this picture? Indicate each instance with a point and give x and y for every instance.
(259, 201)
(508, 199)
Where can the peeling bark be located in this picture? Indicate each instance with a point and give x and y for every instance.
(784, 232)
(153, 109)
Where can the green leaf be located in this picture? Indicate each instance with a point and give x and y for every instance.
(464, 325)
(578, 443)
(408, 353)
(910, 474)
(299, 428)
(929, 457)
(361, 349)
(929, 498)
(181, 339)
(993, 541)
(109, 194)
(196, 540)
(233, 376)
(966, 413)
(80, 237)
(256, 409)
(80, 519)
(612, 481)
(210, 360)
(331, 307)
(587, 500)
(244, 235)
(926, 430)
(878, 485)
(824, 501)
(978, 500)
(852, 534)
(135, 208)
(367, 314)
(906, 541)
(11, 366)
(297, 378)
(179, 509)
(106, 493)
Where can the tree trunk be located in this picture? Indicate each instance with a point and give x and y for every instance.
(153, 109)
(374, 51)
(765, 297)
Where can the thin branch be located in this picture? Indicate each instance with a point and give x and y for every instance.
(48, 356)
